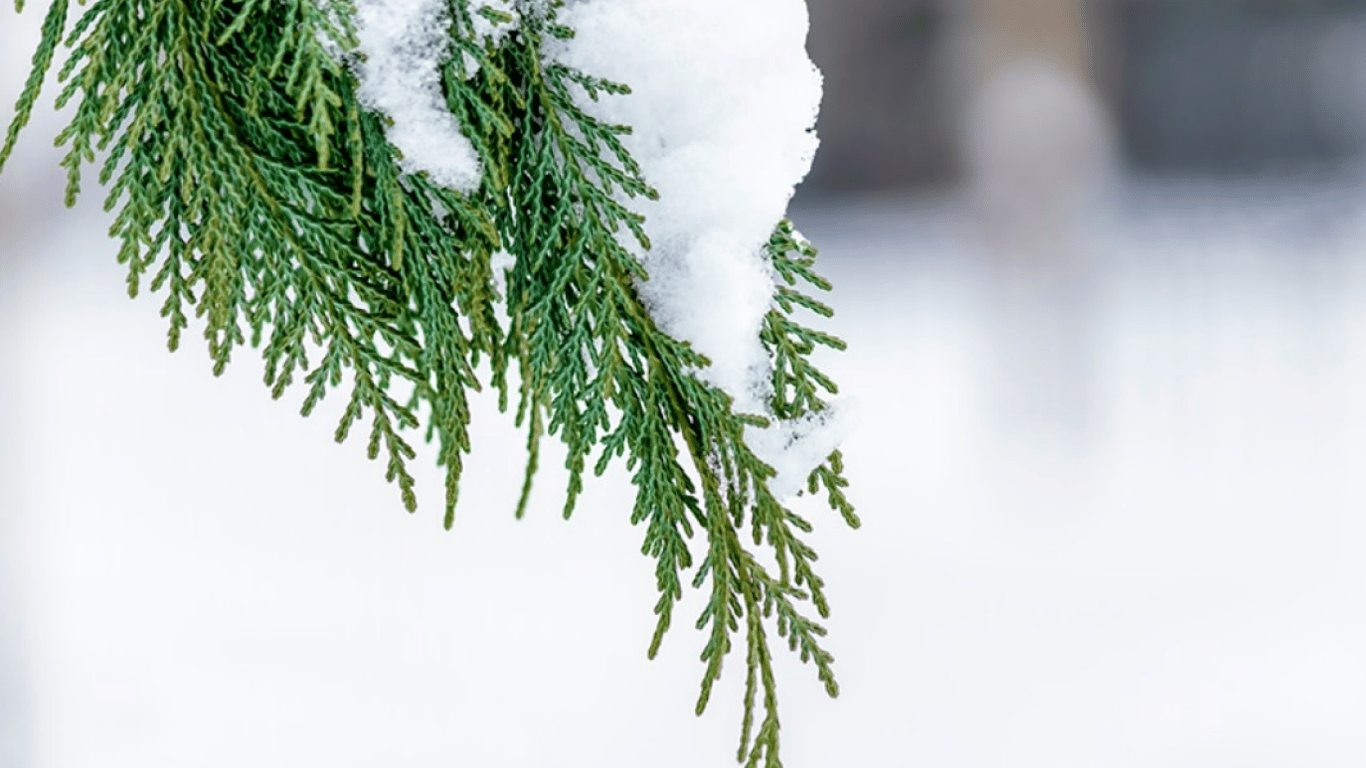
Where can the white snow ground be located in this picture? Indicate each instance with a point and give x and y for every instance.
(1113, 517)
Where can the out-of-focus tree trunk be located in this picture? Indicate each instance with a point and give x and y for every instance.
(1038, 155)
(1036, 139)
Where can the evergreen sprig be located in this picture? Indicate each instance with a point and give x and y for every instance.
(256, 190)
(797, 383)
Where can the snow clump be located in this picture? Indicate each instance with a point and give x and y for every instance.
(403, 43)
(723, 104)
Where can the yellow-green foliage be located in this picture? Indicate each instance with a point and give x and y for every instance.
(255, 191)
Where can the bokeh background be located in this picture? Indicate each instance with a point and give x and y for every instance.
(1101, 268)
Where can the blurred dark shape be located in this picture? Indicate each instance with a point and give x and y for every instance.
(1234, 85)
(887, 92)
(1193, 86)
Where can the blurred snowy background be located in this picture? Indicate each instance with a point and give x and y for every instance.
(1102, 272)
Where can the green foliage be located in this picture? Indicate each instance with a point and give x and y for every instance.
(255, 190)
(797, 383)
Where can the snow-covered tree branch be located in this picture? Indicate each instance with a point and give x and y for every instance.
(578, 204)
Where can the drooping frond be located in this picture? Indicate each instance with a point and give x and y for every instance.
(257, 191)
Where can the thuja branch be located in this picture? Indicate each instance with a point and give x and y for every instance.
(257, 191)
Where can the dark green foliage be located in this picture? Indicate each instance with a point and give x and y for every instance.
(255, 191)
